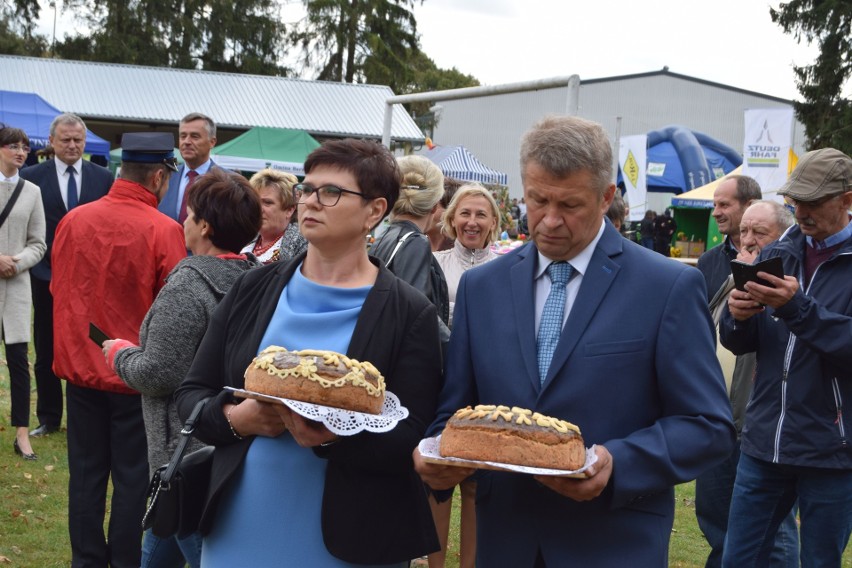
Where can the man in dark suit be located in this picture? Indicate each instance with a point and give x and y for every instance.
(197, 136)
(621, 345)
(54, 176)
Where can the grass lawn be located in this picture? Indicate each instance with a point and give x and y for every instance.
(34, 505)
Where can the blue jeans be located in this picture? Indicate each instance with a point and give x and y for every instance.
(171, 552)
(713, 490)
(764, 494)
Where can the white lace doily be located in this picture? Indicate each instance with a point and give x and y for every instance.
(429, 450)
(341, 422)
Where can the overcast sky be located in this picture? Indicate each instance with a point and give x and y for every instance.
(733, 42)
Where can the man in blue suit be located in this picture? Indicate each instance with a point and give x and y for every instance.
(633, 364)
(68, 139)
(196, 137)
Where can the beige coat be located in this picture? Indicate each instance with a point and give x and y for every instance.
(22, 235)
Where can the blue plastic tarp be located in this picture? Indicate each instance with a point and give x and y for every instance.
(679, 160)
(33, 115)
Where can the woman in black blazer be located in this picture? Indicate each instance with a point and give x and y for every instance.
(284, 488)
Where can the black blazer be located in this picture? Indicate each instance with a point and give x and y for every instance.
(374, 508)
(96, 183)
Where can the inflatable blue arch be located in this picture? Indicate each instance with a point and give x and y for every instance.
(680, 160)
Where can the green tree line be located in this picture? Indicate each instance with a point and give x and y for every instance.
(370, 41)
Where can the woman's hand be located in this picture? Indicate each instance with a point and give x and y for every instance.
(254, 418)
(307, 433)
(8, 269)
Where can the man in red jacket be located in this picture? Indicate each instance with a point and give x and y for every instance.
(110, 258)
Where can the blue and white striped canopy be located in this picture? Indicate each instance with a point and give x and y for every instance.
(457, 162)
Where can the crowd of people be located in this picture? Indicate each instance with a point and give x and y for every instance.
(672, 373)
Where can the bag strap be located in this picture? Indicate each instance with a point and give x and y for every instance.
(12, 200)
(397, 247)
(186, 436)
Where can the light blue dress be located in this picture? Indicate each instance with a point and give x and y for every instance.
(270, 513)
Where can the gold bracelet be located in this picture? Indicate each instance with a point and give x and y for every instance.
(231, 426)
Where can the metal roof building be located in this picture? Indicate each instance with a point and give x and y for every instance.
(491, 127)
(113, 97)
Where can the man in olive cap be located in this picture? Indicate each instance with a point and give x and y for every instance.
(796, 441)
(110, 258)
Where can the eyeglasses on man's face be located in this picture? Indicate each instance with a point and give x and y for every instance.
(793, 202)
(18, 148)
(328, 195)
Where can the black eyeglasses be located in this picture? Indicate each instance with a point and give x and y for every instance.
(328, 195)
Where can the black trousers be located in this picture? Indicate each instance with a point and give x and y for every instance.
(19, 377)
(106, 438)
(48, 387)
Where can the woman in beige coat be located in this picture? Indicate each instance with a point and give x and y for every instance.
(21, 247)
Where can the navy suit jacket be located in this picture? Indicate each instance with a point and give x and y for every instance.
(169, 204)
(96, 183)
(635, 369)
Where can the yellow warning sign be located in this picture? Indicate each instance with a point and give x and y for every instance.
(631, 169)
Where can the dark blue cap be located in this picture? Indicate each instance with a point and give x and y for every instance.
(149, 148)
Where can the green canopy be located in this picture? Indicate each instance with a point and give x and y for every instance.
(261, 147)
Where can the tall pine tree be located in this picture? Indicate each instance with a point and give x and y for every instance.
(825, 112)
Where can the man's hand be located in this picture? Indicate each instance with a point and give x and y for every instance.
(437, 476)
(748, 256)
(742, 305)
(597, 478)
(7, 266)
(783, 291)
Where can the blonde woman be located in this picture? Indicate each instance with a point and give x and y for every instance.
(404, 247)
(472, 221)
(279, 239)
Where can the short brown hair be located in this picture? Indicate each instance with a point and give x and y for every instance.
(10, 135)
(374, 167)
(229, 204)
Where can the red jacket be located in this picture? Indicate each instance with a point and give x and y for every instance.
(110, 258)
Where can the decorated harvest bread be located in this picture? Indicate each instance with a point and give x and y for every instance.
(319, 377)
(513, 436)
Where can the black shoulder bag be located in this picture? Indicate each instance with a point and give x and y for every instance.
(11, 202)
(178, 490)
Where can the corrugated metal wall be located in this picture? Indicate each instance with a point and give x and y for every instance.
(491, 127)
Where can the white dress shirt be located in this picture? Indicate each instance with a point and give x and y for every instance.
(62, 176)
(541, 286)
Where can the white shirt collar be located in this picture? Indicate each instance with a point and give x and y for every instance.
(580, 262)
(62, 167)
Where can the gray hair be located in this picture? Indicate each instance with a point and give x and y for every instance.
(782, 216)
(565, 145)
(66, 118)
(208, 122)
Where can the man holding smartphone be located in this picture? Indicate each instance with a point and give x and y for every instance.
(795, 442)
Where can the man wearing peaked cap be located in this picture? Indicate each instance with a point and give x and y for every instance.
(110, 258)
(149, 148)
(796, 439)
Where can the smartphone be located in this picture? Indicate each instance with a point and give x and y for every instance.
(97, 335)
(744, 272)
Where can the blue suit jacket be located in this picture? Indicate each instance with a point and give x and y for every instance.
(169, 204)
(635, 369)
(96, 183)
